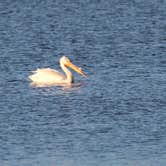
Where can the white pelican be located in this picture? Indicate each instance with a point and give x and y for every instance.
(47, 76)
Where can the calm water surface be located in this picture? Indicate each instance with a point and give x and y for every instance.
(117, 117)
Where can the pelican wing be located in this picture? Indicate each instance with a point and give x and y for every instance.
(46, 75)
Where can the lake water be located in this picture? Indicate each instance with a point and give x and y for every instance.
(116, 117)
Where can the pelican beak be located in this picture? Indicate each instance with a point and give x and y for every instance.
(77, 69)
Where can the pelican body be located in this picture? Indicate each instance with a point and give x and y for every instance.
(47, 76)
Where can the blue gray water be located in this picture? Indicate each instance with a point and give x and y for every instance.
(117, 117)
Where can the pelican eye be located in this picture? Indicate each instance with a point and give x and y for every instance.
(67, 61)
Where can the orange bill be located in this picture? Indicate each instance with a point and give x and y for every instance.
(77, 69)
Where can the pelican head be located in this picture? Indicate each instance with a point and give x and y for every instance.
(67, 63)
